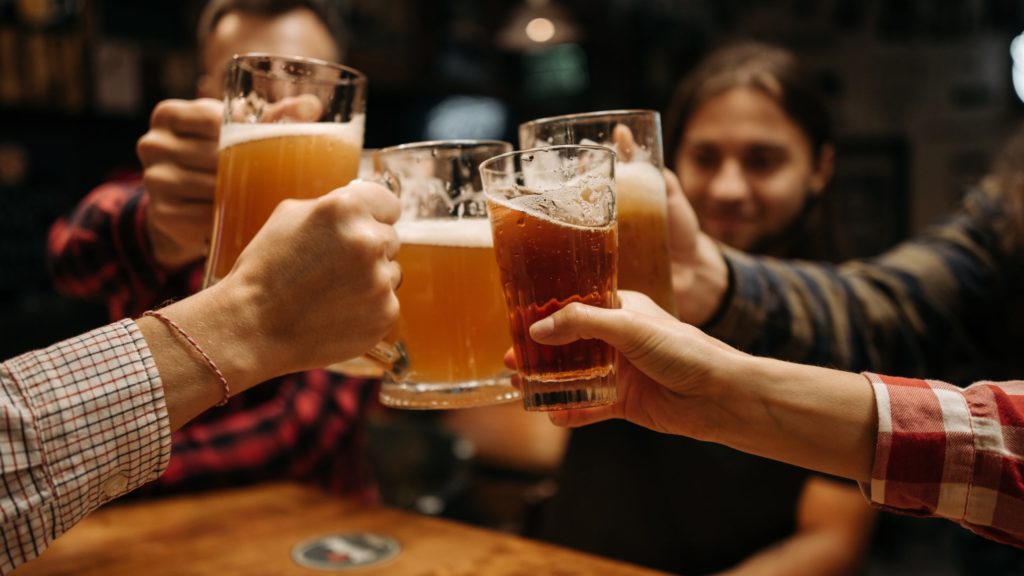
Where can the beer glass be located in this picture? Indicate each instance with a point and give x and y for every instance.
(448, 347)
(293, 128)
(635, 135)
(552, 213)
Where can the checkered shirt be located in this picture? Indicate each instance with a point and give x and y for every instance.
(81, 423)
(951, 452)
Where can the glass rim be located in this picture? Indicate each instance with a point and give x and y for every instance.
(355, 76)
(455, 144)
(593, 147)
(618, 112)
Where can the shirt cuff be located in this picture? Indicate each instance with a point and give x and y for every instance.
(924, 450)
(101, 417)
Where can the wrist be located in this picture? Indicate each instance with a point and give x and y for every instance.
(700, 285)
(223, 324)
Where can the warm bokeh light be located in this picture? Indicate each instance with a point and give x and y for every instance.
(540, 30)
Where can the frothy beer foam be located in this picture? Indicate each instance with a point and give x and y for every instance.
(568, 205)
(639, 182)
(449, 232)
(239, 133)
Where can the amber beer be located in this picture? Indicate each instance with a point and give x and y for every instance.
(262, 164)
(556, 245)
(644, 263)
(452, 322)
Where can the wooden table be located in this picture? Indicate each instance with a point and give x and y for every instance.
(252, 532)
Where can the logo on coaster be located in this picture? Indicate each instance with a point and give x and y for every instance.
(345, 551)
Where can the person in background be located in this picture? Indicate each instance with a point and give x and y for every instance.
(948, 303)
(750, 138)
(135, 243)
(91, 418)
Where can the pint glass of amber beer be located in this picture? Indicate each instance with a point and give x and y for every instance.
(552, 214)
(293, 128)
(448, 347)
(635, 135)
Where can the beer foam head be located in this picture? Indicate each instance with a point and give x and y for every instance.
(583, 206)
(450, 232)
(239, 133)
(639, 181)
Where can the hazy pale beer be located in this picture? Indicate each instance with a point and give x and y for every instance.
(552, 214)
(262, 164)
(449, 344)
(452, 322)
(293, 128)
(639, 190)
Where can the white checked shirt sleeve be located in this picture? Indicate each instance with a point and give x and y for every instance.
(81, 423)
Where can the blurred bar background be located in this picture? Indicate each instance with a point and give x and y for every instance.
(922, 94)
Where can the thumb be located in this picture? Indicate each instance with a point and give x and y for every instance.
(622, 136)
(580, 322)
(299, 108)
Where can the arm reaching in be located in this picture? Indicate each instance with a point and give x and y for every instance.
(89, 419)
(953, 445)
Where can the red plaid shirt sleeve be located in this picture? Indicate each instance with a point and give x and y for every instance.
(101, 252)
(81, 422)
(951, 452)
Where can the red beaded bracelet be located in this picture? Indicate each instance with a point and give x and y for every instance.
(206, 357)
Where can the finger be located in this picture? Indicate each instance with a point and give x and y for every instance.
(199, 118)
(171, 183)
(577, 417)
(301, 108)
(396, 275)
(581, 322)
(625, 145)
(510, 359)
(381, 203)
(391, 242)
(187, 151)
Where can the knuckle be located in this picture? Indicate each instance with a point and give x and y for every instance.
(156, 179)
(163, 111)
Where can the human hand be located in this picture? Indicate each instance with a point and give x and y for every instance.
(179, 159)
(667, 369)
(316, 285)
(700, 276)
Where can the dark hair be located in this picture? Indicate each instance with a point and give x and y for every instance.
(217, 9)
(1006, 184)
(763, 67)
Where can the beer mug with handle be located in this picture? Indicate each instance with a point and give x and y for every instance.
(448, 347)
(293, 128)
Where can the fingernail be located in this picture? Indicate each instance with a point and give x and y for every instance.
(542, 328)
(558, 418)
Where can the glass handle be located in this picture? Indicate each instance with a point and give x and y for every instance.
(391, 357)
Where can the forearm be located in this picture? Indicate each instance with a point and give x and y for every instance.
(811, 417)
(909, 311)
(223, 329)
